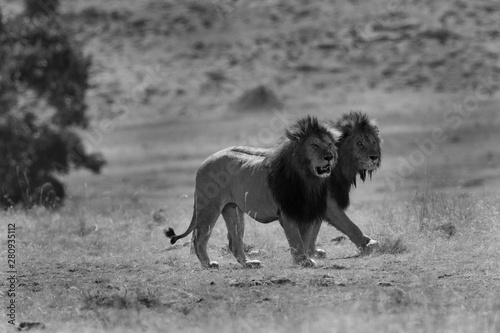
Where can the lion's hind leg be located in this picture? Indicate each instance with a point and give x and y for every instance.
(207, 217)
(235, 222)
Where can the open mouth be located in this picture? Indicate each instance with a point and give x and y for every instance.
(324, 171)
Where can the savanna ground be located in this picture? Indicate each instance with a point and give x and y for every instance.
(166, 80)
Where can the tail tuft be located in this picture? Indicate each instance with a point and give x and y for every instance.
(171, 234)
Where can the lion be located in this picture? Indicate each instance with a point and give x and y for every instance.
(360, 153)
(288, 184)
(359, 149)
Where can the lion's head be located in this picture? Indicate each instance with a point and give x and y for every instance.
(314, 147)
(298, 169)
(359, 148)
(359, 142)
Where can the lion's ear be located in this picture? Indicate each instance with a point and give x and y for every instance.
(345, 125)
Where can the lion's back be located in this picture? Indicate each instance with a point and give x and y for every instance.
(228, 164)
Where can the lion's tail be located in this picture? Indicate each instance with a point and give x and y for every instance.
(170, 233)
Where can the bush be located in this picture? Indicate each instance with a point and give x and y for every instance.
(34, 8)
(43, 80)
(260, 98)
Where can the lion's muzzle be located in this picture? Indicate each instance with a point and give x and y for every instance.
(324, 171)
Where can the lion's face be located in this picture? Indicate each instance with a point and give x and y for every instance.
(366, 152)
(321, 154)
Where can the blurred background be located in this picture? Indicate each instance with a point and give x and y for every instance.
(116, 103)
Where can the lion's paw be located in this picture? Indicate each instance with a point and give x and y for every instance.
(213, 265)
(308, 263)
(370, 247)
(253, 264)
(319, 253)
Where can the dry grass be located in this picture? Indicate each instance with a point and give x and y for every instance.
(122, 275)
(391, 245)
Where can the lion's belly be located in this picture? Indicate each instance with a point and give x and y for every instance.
(249, 190)
(259, 206)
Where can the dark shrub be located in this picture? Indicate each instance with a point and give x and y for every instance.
(37, 8)
(43, 80)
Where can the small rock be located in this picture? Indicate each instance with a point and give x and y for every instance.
(448, 228)
(259, 282)
(26, 326)
(335, 267)
(326, 280)
(280, 280)
(444, 276)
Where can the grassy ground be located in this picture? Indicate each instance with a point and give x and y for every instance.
(436, 270)
(165, 78)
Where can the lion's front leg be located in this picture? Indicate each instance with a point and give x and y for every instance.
(299, 249)
(313, 251)
(337, 218)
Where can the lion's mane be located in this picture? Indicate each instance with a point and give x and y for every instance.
(298, 195)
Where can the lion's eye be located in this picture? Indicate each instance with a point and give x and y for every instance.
(360, 144)
(329, 144)
(315, 145)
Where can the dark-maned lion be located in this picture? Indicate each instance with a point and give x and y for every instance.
(289, 184)
(359, 154)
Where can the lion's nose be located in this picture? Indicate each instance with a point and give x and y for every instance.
(328, 157)
(374, 158)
